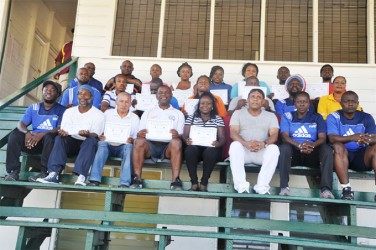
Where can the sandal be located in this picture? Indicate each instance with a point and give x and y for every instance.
(203, 188)
(194, 187)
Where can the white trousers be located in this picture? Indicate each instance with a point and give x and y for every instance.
(267, 158)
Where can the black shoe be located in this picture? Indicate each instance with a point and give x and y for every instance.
(34, 178)
(347, 194)
(123, 186)
(12, 176)
(93, 184)
(136, 183)
(194, 187)
(177, 184)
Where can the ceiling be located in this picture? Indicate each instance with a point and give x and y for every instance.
(65, 11)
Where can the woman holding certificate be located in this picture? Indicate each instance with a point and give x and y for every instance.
(204, 134)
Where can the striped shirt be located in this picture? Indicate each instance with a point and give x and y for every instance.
(211, 123)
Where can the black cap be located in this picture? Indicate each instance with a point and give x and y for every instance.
(55, 84)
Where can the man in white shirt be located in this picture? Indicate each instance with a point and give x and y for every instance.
(78, 135)
(148, 145)
(122, 145)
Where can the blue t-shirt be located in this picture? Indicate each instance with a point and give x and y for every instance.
(93, 82)
(222, 86)
(70, 96)
(174, 102)
(43, 120)
(287, 105)
(338, 124)
(306, 128)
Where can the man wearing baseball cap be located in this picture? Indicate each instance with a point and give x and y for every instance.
(80, 127)
(45, 118)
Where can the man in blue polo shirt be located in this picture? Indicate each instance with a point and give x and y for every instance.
(92, 81)
(70, 96)
(353, 135)
(304, 143)
(44, 118)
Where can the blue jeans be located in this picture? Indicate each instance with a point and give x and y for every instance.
(105, 150)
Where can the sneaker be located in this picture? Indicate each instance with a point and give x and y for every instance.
(34, 178)
(81, 180)
(52, 177)
(327, 194)
(136, 183)
(93, 184)
(177, 184)
(347, 194)
(12, 176)
(285, 191)
(123, 186)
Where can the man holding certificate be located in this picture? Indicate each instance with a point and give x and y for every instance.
(121, 126)
(254, 132)
(204, 133)
(159, 137)
(78, 135)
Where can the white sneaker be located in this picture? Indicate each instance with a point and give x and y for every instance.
(81, 180)
(285, 191)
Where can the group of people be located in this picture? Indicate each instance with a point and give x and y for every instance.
(95, 121)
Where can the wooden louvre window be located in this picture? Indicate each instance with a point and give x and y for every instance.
(343, 31)
(237, 30)
(288, 31)
(186, 29)
(137, 28)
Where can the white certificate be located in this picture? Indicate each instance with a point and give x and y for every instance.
(203, 136)
(182, 95)
(317, 90)
(129, 88)
(247, 89)
(117, 132)
(145, 102)
(190, 106)
(73, 128)
(280, 92)
(222, 93)
(145, 89)
(159, 130)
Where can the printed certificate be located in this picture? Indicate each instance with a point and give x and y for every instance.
(190, 106)
(247, 89)
(280, 92)
(145, 101)
(129, 88)
(317, 90)
(117, 132)
(203, 136)
(182, 95)
(222, 93)
(145, 89)
(159, 130)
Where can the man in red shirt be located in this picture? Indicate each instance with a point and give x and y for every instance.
(64, 55)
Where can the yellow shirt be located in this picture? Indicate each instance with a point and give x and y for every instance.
(328, 105)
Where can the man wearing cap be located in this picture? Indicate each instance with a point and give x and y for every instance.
(44, 118)
(294, 84)
(70, 96)
(78, 135)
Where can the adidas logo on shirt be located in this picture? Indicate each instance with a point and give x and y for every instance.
(301, 133)
(46, 125)
(349, 132)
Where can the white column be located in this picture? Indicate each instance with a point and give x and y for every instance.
(315, 31)
(370, 32)
(211, 31)
(4, 4)
(262, 30)
(161, 27)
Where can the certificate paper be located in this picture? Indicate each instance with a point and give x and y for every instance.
(117, 132)
(203, 136)
(280, 92)
(159, 130)
(222, 93)
(317, 90)
(145, 102)
(73, 128)
(182, 95)
(190, 106)
(247, 89)
(129, 88)
(145, 89)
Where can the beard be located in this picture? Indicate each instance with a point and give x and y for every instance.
(49, 101)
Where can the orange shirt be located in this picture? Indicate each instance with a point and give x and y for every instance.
(221, 109)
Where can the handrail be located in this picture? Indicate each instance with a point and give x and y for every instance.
(35, 83)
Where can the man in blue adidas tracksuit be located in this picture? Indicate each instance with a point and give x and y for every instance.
(44, 118)
(304, 143)
(353, 135)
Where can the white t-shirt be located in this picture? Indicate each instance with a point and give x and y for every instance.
(92, 120)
